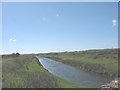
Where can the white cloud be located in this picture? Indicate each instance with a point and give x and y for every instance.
(12, 40)
(114, 22)
(57, 15)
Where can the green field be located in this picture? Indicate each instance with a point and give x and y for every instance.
(25, 72)
(103, 62)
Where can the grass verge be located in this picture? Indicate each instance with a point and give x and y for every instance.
(25, 72)
(105, 61)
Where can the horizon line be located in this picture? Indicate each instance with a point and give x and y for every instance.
(59, 51)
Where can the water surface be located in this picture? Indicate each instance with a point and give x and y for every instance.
(72, 74)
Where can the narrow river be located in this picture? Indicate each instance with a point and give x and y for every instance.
(72, 74)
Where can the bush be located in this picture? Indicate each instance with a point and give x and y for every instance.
(15, 54)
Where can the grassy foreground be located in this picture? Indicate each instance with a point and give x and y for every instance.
(25, 72)
(104, 62)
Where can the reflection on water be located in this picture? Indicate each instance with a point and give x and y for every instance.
(72, 74)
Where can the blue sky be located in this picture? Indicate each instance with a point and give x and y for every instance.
(48, 27)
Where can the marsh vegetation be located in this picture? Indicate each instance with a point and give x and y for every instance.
(104, 61)
(24, 71)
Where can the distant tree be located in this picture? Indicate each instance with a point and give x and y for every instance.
(15, 54)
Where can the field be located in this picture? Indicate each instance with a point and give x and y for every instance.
(104, 61)
(24, 71)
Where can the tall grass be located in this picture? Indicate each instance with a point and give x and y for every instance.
(105, 61)
(25, 72)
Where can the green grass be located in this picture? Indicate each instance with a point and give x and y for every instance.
(14, 80)
(104, 60)
(108, 63)
(66, 84)
(25, 72)
(34, 67)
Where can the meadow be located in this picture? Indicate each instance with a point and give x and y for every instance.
(25, 71)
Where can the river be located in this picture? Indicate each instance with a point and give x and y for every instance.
(72, 74)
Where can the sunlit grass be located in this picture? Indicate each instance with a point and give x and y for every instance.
(25, 72)
(34, 67)
(103, 60)
(66, 84)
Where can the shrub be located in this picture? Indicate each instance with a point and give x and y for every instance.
(15, 54)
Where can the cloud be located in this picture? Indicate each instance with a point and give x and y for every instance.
(57, 15)
(114, 22)
(12, 40)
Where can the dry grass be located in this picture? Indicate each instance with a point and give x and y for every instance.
(105, 61)
(25, 72)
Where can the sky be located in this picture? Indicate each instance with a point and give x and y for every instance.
(0, 29)
(56, 27)
(60, 0)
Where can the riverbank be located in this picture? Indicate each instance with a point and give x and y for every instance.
(103, 62)
(25, 71)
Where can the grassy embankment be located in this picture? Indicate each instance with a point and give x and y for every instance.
(104, 62)
(25, 72)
